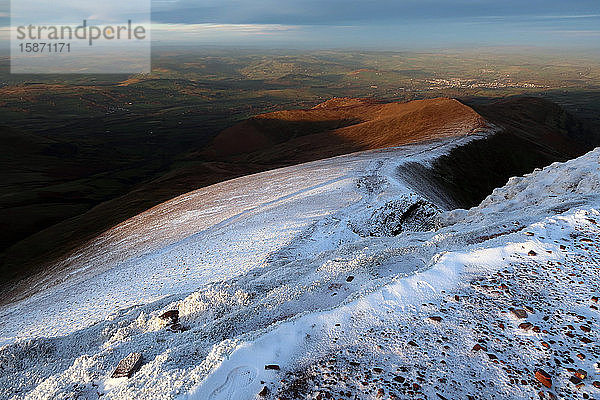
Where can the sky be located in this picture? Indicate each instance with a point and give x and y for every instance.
(385, 24)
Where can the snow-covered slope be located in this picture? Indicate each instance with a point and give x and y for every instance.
(331, 271)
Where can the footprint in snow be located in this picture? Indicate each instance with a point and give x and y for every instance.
(237, 379)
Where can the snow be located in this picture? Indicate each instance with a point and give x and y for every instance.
(299, 267)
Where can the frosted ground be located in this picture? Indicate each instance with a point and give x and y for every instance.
(344, 273)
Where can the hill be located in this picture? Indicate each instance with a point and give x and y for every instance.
(530, 133)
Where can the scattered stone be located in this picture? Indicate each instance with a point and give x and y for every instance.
(264, 392)
(575, 380)
(272, 367)
(520, 313)
(581, 374)
(176, 328)
(529, 309)
(543, 377)
(526, 326)
(171, 316)
(128, 366)
(478, 347)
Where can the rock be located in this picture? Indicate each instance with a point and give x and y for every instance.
(171, 316)
(585, 340)
(529, 309)
(596, 384)
(581, 356)
(585, 328)
(436, 319)
(350, 278)
(399, 379)
(594, 299)
(519, 313)
(575, 380)
(581, 374)
(526, 326)
(543, 377)
(264, 392)
(563, 247)
(380, 393)
(272, 367)
(412, 343)
(128, 366)
(176, 328)
(478, 347)
(532, 253)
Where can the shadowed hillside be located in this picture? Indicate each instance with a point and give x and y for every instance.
(534, 133)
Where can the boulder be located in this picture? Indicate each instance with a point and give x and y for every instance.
(128, 366)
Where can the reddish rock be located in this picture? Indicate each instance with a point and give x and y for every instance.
(478, 347)
(436, 319)
(576, 381)
(532, 253)
(596, 384)
(413, 343)
(519, 313)
(581, 374)
(526, 326)
(585, 328)
(543, 377)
